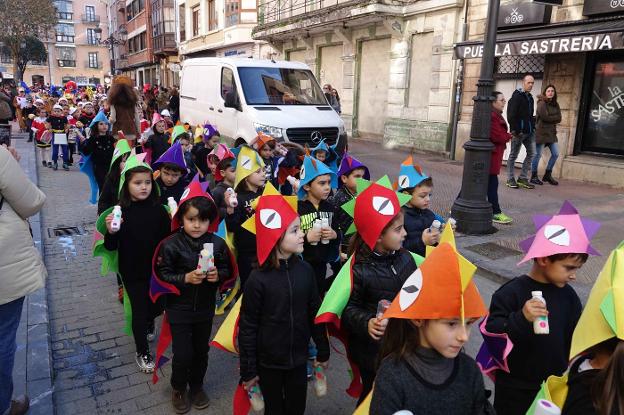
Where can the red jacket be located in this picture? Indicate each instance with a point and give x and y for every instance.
(499, 137)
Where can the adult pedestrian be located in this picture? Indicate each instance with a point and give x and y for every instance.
(21, 268)
(338, 107)
(5, 105)
(548, 116)
(520, 110)
(162, 99)
(499, 137)
(174, 105)
(331, 99)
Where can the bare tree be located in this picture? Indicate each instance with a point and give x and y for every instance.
(31, 50)
(21, 19)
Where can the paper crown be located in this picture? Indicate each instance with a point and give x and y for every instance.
(441, 287)
(220, 153)
(311, 169)
(564, 233)
(121, 147)
(373, 208)
(260, 140)
(173, 155)
(273, 214)
(177, 131)
(193, 190)
(132, 163)
(210, 131)
(348, 164)
(100, 117)
(156, 118)
(410, 174)
(603, 315)
(247, 162)
(165, 113)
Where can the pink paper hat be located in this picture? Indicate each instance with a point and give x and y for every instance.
(156, 119)
(564, 233)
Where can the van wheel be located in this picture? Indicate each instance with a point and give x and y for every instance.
(239, 141)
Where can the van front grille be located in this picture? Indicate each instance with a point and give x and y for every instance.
(305, 135)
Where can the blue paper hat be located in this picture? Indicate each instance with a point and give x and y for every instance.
(321, 146)
(173, 155)
(331, 159)
(100, 117)
(311, 169)
(410, 175)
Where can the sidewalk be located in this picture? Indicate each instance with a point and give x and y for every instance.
(497, 255)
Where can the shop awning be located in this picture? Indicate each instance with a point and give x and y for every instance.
(568, 37)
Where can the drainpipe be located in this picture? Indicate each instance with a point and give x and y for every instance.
(459, 84)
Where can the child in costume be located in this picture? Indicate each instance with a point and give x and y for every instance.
(43, 146)
(100, 146)
(248, 184)
(265, 146)
(200, 151)
(87, 115)
(190, 313)
(418, 218)
(559, 248)
(58, 125)
(224, 175)
(158, 141)
(145, 222)
(422, 366)
(283, 286)
(329, 157)
(185, 142)
(315, 188)
(350, 170)
(172, 178)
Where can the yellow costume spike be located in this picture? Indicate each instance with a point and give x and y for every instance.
(225, 339)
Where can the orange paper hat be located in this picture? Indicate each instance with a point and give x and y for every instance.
(441, 287)
(260, 140)
(273, 214)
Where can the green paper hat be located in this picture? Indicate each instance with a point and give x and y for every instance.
(373, 208)
(132, 163)
(177, 130)
(122, 147)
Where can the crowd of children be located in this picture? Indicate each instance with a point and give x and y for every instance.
(315, 248)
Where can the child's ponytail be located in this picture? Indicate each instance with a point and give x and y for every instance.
(607, 391)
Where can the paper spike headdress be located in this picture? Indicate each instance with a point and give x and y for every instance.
(100, 117)
(441, 287)
(260, 140)
(310, 170)
(121, 147)
(176, 132)
(210, 131)
(410, 174)
(374, 207)
(156, 118)
(198, 135)
(564, 233)
(193, 190)
(247, 162)
(273, 214)
(321, 146)
(132, 163)
(603, 315)
(350, 163)
(220, 153)
(331, 159)
(173, 155)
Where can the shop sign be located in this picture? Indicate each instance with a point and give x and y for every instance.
(523, 14)
(605, 108)
(567, 44)
(591, 7)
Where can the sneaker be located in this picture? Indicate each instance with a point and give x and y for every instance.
(512, 183)
(65, 166)
(200, 399)
(120, 294)
(19, 406)
(180, 402)
(310, 370)
(145, 362)
(536, 180)
(55, 166)
(502, 219)
(49, 164)
(524, 183)
(45, 164)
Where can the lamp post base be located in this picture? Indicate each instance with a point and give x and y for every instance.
(473, 217)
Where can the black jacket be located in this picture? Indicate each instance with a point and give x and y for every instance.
(416, 221)
(200, 153)
(109, 193)
(319, 253)
(159, 143)
(375, 277)
(218, 194)
(244, 240)
(277, 319)
(520, 110)
(579, 400)
(174, 191)
(342, 218)
(101, 148)
(179, 255)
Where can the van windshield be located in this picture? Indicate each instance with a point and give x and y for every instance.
(280, 86)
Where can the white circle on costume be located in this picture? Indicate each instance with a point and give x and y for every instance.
(557, 234)
(186, 193)
(116, 152)
(383, 205)
(270, 218)
(302, 173)
(411, 289)
(404, 182)
(246, 162)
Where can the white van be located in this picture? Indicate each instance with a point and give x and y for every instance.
(244, 96)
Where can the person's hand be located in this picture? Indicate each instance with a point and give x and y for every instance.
(431, 237)
(376, 328)
(212, 275)
(195, 277)
(251, 383)
(314, 234)
(328, 234)
(324, 364)
(13, 152)
(109, 224)
(533, 309)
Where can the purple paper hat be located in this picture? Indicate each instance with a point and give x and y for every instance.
(210, 131)
(174, 155)
(564, 233)
(348, 164)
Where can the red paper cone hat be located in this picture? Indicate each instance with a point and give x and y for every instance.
(194, 189)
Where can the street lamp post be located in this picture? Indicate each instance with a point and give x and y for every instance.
(471, 209)
(111, 41)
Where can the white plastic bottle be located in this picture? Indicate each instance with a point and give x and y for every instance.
(545, 407)
(206, 257)
(435, 225)
(316, 225)
(540, 324)
(256, 398)
(233, 201)
(116, 223)
(320, 381)
(173, 206)
(324, 225)
(294, 183)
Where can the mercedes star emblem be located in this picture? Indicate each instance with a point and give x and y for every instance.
(316, 137)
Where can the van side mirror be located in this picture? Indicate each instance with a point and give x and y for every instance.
(231, 100)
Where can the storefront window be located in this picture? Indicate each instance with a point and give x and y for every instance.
(605, 118)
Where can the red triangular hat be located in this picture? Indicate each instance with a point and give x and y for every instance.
(194, 189)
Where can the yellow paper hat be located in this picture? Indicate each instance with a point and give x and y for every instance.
(603, 316)
(248, 161)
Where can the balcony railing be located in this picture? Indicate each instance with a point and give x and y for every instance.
(65, 63)
(60, 38)
(65, 15)
(93, 65)
(90, 18)
(270, 11)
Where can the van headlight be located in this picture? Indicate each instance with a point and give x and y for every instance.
(274, 132)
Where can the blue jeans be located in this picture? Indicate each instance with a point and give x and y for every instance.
(55, 151)
(492, 194)
(517, 141)
(554, 154)
(10, 315)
